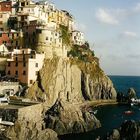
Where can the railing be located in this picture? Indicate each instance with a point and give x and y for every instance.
(8, 83)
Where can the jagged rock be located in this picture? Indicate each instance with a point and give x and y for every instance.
(47, 134)
(64, 84)
(78, 127)
(129, 130)
(131, 93)
(115, 134)
(11, 133)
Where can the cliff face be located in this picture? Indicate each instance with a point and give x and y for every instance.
(63, 85)
(71, 80)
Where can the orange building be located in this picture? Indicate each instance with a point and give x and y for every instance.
(5, 6)
(24, 65)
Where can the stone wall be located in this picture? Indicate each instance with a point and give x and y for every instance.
(13, 87)
(31, 113)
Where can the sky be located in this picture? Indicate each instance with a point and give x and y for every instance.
(112, 27)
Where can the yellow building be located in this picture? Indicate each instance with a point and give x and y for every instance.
(24, 65)
(61, 17)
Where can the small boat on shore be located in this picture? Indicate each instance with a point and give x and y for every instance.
(128, 112)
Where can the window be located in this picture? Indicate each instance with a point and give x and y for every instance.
(31, 81)
(16, 64)
(24, 64)
(22, 4)
(16, 58)
(4, 42)
(36, 65)
(36, 72)
(39, 31)
(9, 64)
(9, 72)
(16, 72)
(33, 33)
(24, 72)
(12, 36)
(47, 38)
(16, 43)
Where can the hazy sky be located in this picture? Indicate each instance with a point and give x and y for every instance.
(113, 29)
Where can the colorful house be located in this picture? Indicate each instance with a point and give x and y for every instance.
(24, 65)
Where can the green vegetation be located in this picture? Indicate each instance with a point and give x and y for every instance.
(65, 35)
(82, 52)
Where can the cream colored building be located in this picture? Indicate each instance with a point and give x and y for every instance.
(24, 65)
(4, 16)
(78, 38)
(49, 41)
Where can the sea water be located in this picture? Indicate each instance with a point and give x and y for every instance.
(112, 116)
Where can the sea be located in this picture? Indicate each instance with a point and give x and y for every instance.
(112, 116)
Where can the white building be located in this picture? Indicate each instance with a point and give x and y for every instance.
(78, 38)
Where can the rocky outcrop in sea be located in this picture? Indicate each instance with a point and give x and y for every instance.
(129, 130)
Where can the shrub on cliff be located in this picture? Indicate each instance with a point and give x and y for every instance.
(65, 35)
(82, 53)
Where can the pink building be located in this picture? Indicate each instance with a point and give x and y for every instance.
(24, 65)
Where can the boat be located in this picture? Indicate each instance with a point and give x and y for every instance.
(128, 112)
(93, 112)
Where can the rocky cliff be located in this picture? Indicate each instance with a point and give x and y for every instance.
(63, 85)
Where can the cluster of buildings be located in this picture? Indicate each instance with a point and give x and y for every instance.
(29, 33)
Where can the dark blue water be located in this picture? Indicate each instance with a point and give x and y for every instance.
(112, 116)
(122, 83)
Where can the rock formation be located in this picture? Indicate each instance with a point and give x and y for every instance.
(63, 85)
(129, 130)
